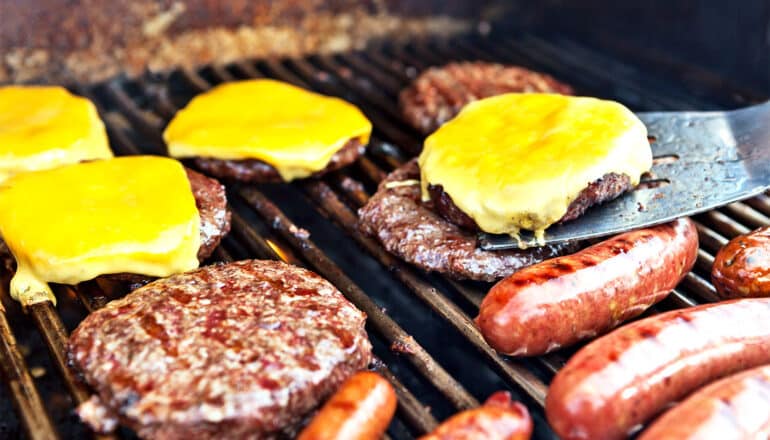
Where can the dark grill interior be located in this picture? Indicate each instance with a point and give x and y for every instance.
(420, 324)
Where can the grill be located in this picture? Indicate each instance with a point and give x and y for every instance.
(420, 324)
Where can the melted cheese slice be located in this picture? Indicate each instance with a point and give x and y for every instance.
(292, 129)
(45, 127)
(70, 224)
(517, 161)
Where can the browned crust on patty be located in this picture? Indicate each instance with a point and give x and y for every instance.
(439, 93)
(412, 229)
(604, 189)
(211, 201)
(257, 171)
(227, 351)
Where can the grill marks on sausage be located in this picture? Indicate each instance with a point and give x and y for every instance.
(734, 407)
(257, 171)
(411, 229)
(560, 302)
(439, 93)
(230, 351)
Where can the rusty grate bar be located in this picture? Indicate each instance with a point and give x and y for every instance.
(26, 399)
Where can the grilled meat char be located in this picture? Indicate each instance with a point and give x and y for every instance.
(257, 171)
(599, 191)
(413, 230)
(439, 93)
(211, 201)
(231, 351)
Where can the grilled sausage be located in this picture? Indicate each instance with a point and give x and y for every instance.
(360, 410)
(626, 377)
(737, 407)
(560, 301)
(742, 267)
(498, 419)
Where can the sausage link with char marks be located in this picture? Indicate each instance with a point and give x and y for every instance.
(623, 379)
(734, 408)
(360, 410)
(498, 419)
(566, 299)
(742, 267)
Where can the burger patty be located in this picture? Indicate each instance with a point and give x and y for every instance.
(211, 201)
(439, 93)
(606, 188)
(413, 230)
(257, 171)
(231, 351)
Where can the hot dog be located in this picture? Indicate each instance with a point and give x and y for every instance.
(361, 409)
(628, 376)
(498, 419)
(742, 267)
(737, 407)
(560, 301)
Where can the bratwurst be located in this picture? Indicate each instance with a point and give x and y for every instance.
(561, 301)
(742, 267)
(626, 377)
(499, 418)
(734, 408)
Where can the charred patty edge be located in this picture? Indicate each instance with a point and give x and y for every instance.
(257, 171)
(604, 189)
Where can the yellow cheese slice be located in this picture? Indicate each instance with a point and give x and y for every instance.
(45, 127)
(516, 161)
(127, 215)
(292, 129)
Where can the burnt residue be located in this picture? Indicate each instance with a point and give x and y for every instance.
(86, 40)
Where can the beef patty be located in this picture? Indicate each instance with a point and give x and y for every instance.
(599, 191)
(413, 230)
(257, 171)
(224, 352)
(211, 201)
(439, 93)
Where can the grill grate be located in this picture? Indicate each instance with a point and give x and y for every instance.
(420, 324)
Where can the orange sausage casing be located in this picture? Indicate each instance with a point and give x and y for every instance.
(737, 407)
(361, 409)
(621, 380)
(742, 267)
(498, 419)
(563, 300)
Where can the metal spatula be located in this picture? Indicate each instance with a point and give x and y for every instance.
(703, 160)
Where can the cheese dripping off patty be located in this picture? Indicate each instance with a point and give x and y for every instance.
(517, 161)
(294, 130)
(45, 127)
(71, 224)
